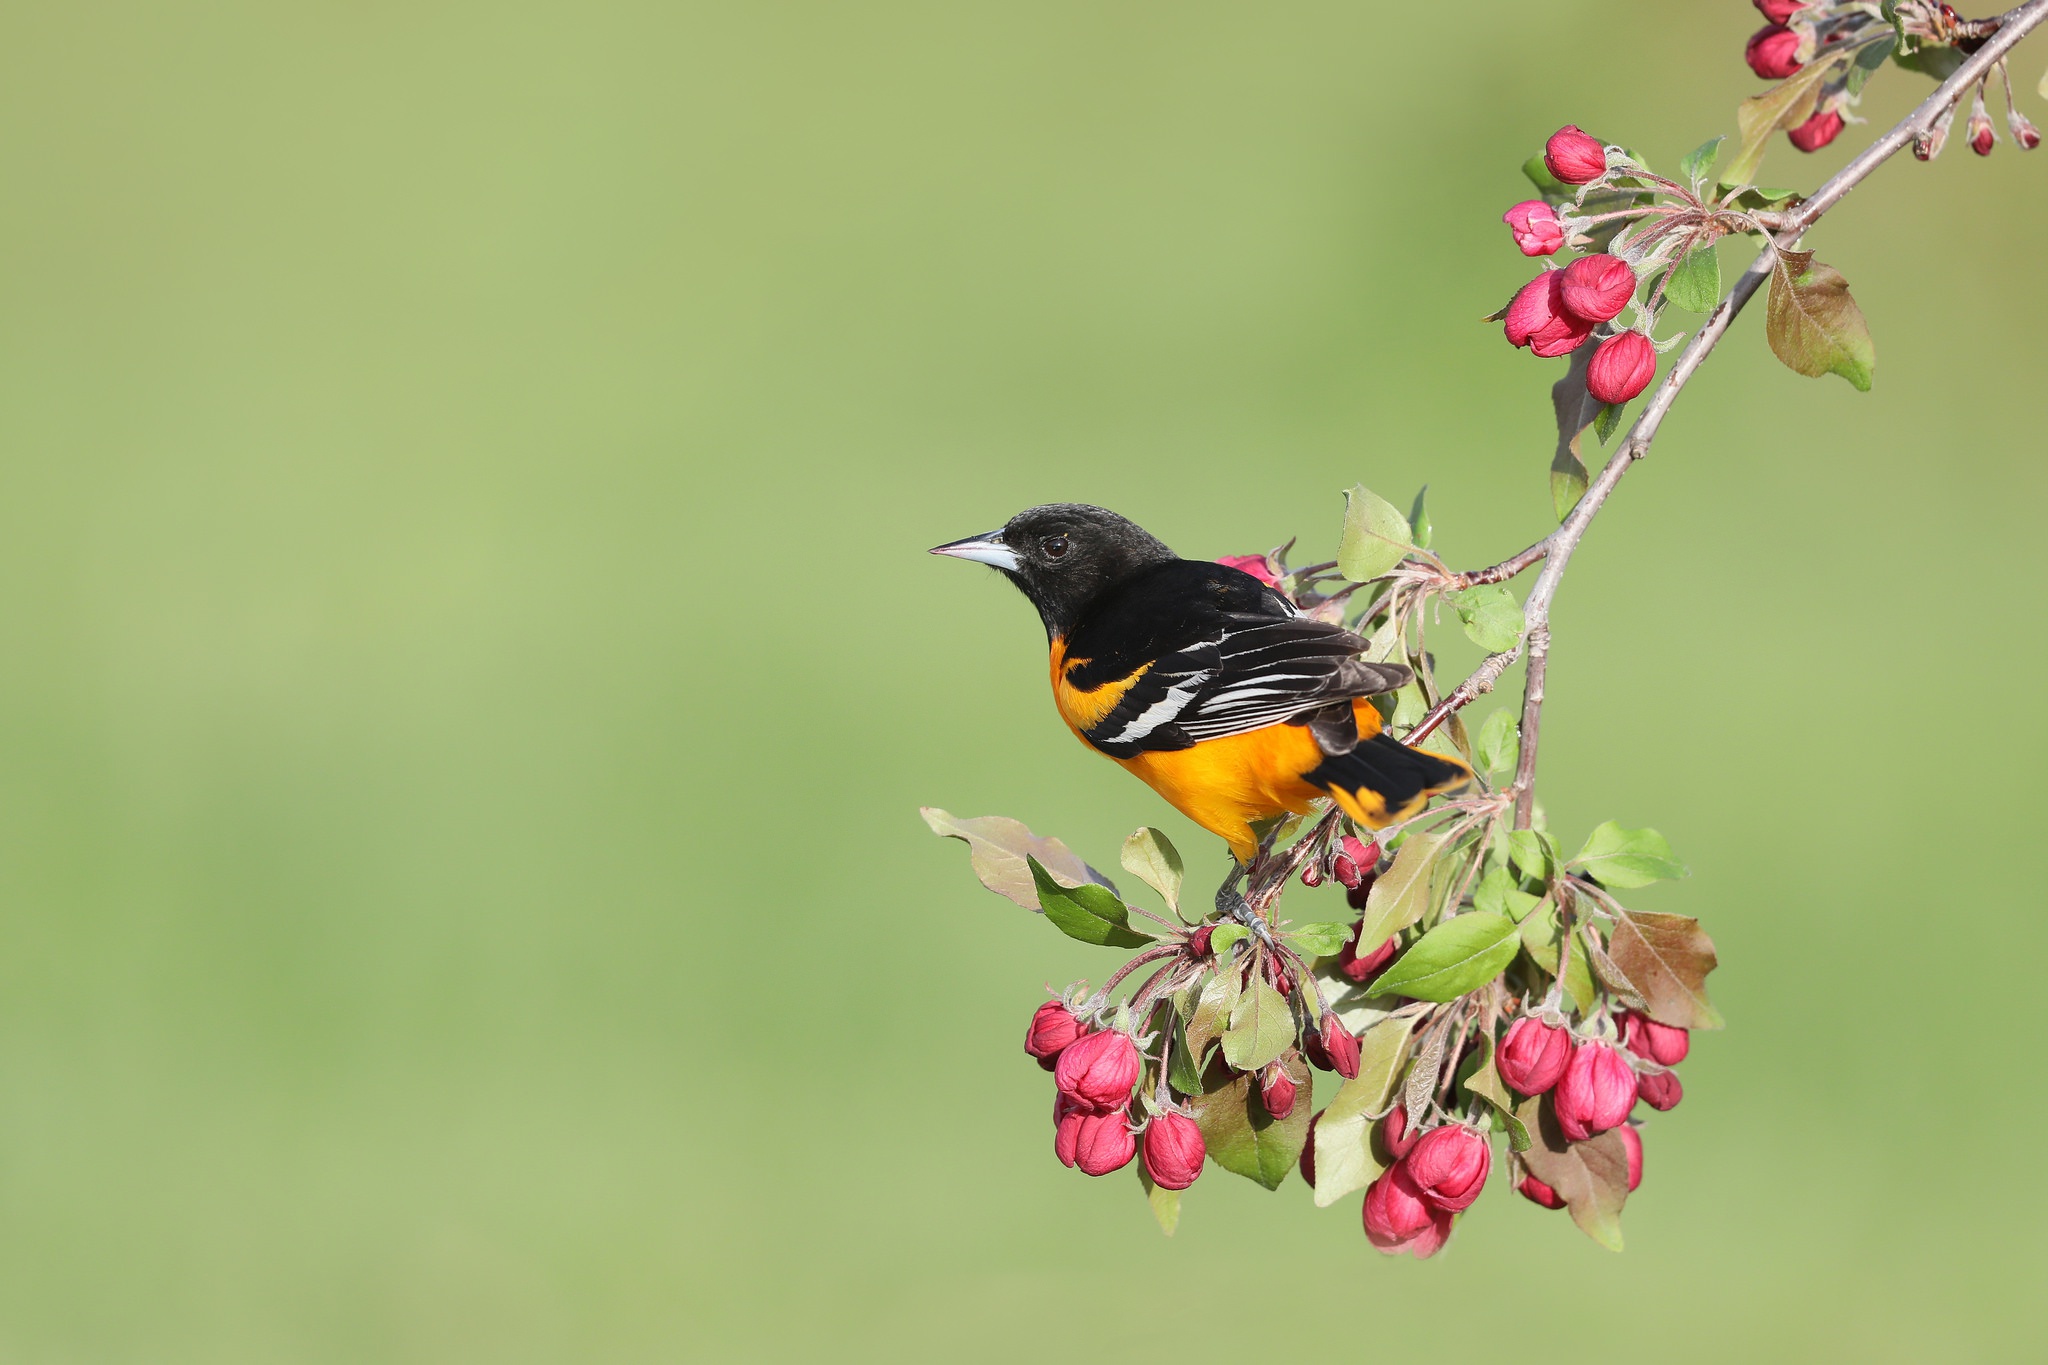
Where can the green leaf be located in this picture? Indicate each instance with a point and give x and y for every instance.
(1539, 939)
(1320, 939)
(997, 848)
(1813, 324)
(1869, 59)
(1694, 283)
(1165, 1203)
(1211, 1015)
(1491, 616)
(1223, 935)
(1695, 164)
(1345, 1160)
(1418, 519)
(1497, 894)
(1087, 912)
(1480, 1077)
(1461, 954)
(1757, 197)
(1183, 1067)
(1936, 63)
(1261, 1027)
(1151, 857)
(1575, 409)
(1532, 854)
(1667, 958)
(1625, 858)
(1376, 535)
(1498, 741)
(1401, 897)
(1591, 1176)
(1785, 105)
(1538, 171)
(1610, 417)
(1243, 1138)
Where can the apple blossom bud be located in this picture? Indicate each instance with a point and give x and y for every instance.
(1256, 565)
(1051, 1029)
(1355, 859)
(1660, 1043)
(1773, 52)
(1276, 1091)
(1281, 980)
(1633, 1142)
(1362, 969)
(1779, 11)
(1535, 228)
(1817, 132)
(1104, 1143)
(1982, 138)
(1394, 1138)
(1339, 1047)
(1595, 288)
(1595, 1093)
(1198, 942)
(1450, 1165)
(1536, 1192)
(1308, 1151)
(1098, 1069)
(1312, 873)
(1173, 1151)
(1398, 1219)
(1066, 1127)
(1533, 1055)
(2024, 133)
(1537, 318)
(1659, 1089)
(1622, 368)
(1574, 157)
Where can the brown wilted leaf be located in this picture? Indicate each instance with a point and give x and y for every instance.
(1591, 1176)
(1666, 958)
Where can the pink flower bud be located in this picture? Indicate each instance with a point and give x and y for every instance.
(1773, 52)
(1363, 969)
(1661, 1043)
(1278, 975)
(1536, 1192)
(1066, 1127)
(1395, 1139)
(1595, 288)
(1537, 318)
(1256, 565)
(1450, 1165)
(1533, 1055)
(1051, 1029)
(1355, 859)
(2024, 133)
(1595, 1093)
(1982, 138)
(1276, 1091)
(1622, 368)
(1339, 1048)
(1535, 228)
(1098, 1070)
(1173, 1151)
(1779, 11)
(1659, 1089)
(1633, 1141)
(1817, 132)
(1104, 1143)
(1312, 873)
(1308, 1151)
(1398, 1219)
(1198, 942)
(1573, 157)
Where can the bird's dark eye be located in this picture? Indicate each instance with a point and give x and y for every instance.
(1054, 546)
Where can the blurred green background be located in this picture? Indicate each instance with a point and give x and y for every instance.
(471, 670)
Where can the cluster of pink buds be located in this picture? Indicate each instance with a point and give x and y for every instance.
(1593, 1084)
(1559, 310)
(1435, 1176)
(1096, 1073)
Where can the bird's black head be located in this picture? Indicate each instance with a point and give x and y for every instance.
(1062, 555)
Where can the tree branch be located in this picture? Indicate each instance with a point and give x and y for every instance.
(1554, 551)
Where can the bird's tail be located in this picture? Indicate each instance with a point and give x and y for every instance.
(1383, 780)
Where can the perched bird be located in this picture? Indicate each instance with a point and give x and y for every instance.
(1205, 682)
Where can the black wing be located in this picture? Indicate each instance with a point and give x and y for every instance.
(1226, 655)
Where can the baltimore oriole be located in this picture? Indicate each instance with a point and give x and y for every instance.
(1205, 682)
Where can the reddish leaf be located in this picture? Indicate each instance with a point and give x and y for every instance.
(1666, 958)
(1591, 1176)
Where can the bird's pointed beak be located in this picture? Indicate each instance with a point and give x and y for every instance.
(987, 548)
